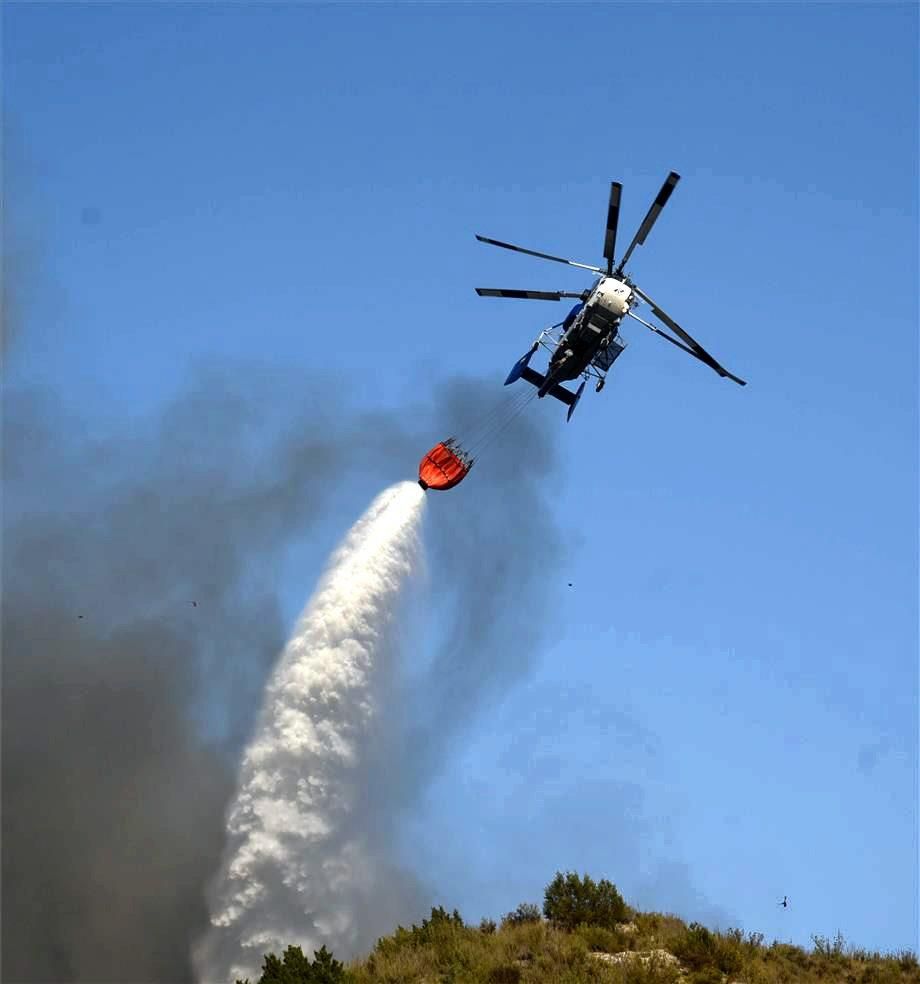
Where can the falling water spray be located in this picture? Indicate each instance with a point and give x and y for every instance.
(298, 868)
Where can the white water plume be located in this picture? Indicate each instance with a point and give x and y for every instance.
(300, 866)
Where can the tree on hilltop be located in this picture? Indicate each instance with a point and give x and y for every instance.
(571, 901)
(295, 968)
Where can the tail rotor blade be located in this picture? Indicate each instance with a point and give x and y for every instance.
(661, 200)
(613, 216)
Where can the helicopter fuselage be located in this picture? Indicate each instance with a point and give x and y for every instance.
(590, 327)
(587, 341)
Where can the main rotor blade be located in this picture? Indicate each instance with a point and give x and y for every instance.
(694, 345)
(533, 252)
(651, 217)
(666, 336)
(532, 295)
(613, 216)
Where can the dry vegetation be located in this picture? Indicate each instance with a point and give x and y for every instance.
(646, 948)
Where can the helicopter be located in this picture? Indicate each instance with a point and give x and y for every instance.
(587, 342)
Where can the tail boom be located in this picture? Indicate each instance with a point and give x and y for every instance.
(562, 394)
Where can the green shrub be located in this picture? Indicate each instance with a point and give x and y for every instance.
(487, 927)
(523, 939)
(696, 949)
(888, 970)
(295, 968)
(439, 926)
(570, 901)
(654, 929)
(654, 971)
(526, 912)
(708, 975)
(601, 940)
(699, 949)
(786, 951)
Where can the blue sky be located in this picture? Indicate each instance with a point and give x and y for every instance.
(727, 711)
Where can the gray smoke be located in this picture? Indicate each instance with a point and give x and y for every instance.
(139, 616)
(122, 729)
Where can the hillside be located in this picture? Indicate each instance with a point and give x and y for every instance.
(586, 933)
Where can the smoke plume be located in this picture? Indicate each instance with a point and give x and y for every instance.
(122, 730)
(140, 615)
(300, 859)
